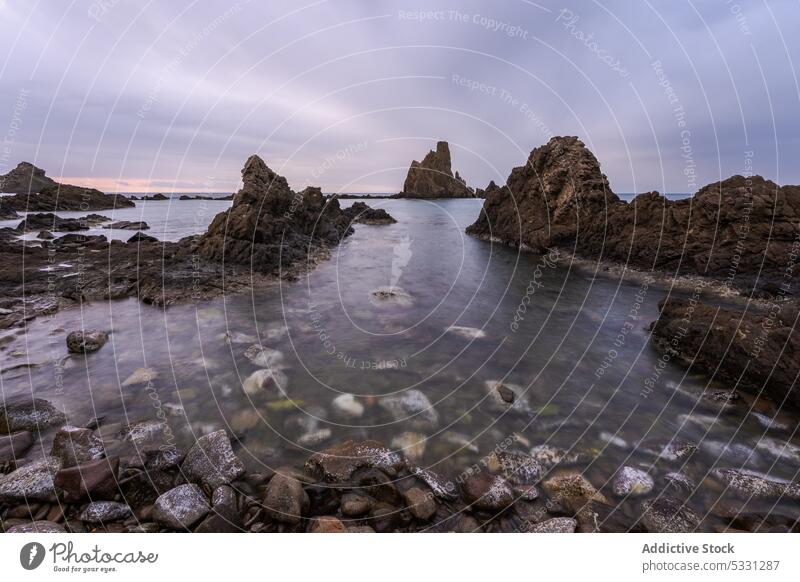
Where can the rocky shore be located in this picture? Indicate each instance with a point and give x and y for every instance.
(269, 232)
(130, 478)
(741, 235)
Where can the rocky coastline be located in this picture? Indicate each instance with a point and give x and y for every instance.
(741, 235)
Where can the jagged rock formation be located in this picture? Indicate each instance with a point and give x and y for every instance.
(560, 198)
(755, 351)
(270, 226)
(433, 177)
(484, 192)
(35, 192)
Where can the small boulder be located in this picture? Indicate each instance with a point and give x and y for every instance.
(86, 341)
(487, 492)
(211, 461)
(181, 507)
(632, 481)
(32, 482)
(74, 446)
(104, 512)
(33, 415)
(285, 501)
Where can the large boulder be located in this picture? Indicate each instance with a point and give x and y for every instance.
(270, 226)
(433, 177)
(211, 461)
(29, 414)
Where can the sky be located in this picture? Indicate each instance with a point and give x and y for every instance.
(670, 95)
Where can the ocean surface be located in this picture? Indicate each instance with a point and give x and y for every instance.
(571, 341)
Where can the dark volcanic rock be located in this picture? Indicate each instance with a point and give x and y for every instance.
(49, 221)
(360, 213)
(6, 212)
(433, 177)
(270, 226)
(560, 198)
(753, 350)
(35, 192)
(128, 225)
(140, 237)
(25, 178)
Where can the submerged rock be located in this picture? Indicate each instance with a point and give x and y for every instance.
(347, 406)
(181, 507)
(360, 213)
(441, 487)
(264, 357)
(211, 461)
(411, 405)
(503, 396)
(32, 482)
(517, 468)
(632, 481)
(668, 515)
(262, 381)
(86, 341)
(74, 446)
(140, 376)
(487, 492)
(470, 333)
(548, 456)
(755, 485)
(411, 444)
(338, 463)
(29, 414)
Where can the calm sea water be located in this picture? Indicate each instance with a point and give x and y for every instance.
(574, 344)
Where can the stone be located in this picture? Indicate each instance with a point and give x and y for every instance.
(211, 461)
(338, 463)
(752, 485)
(104, 512)
(31, 482)
(225, 516)
(433, 177)
(181, 507)
(411, 406)
(141, 237)
(285, 500)
(74, 446)
(326, 524)
(29, 414)
(576, 495)
(555, 525)
(518, 468)
(96, 478)
(442, 487)
(347, 407)
(421, 504)
(355, 505)
(668, 515)
(680, 482)
(261, 381)
(548, 456)
(146, 435)
(86, 341)
(632, 481)
(38, 527)
(411, 444)
(128, 225)
(487, 492)
(470, 333)
(502, 396)
(264, 357)
(140, 376)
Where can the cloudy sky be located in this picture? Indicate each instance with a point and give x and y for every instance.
(173, 96)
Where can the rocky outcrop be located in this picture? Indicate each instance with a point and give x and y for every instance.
(737, 229)
(361, 213)
(433, 177)
(754, 350)
(128, 225)
(35, 192)
(270, 227)
(49, 221)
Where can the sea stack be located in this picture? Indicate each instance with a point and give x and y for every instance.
(270, 226)
(433, 177)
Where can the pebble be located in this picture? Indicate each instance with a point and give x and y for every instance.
(487, 492)
(347, 406)
(285, 501)
(421, 504)
(326, 524)
(140, 376)
(632, 481)
(411, 444)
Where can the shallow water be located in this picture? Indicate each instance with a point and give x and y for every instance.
(549, 329)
